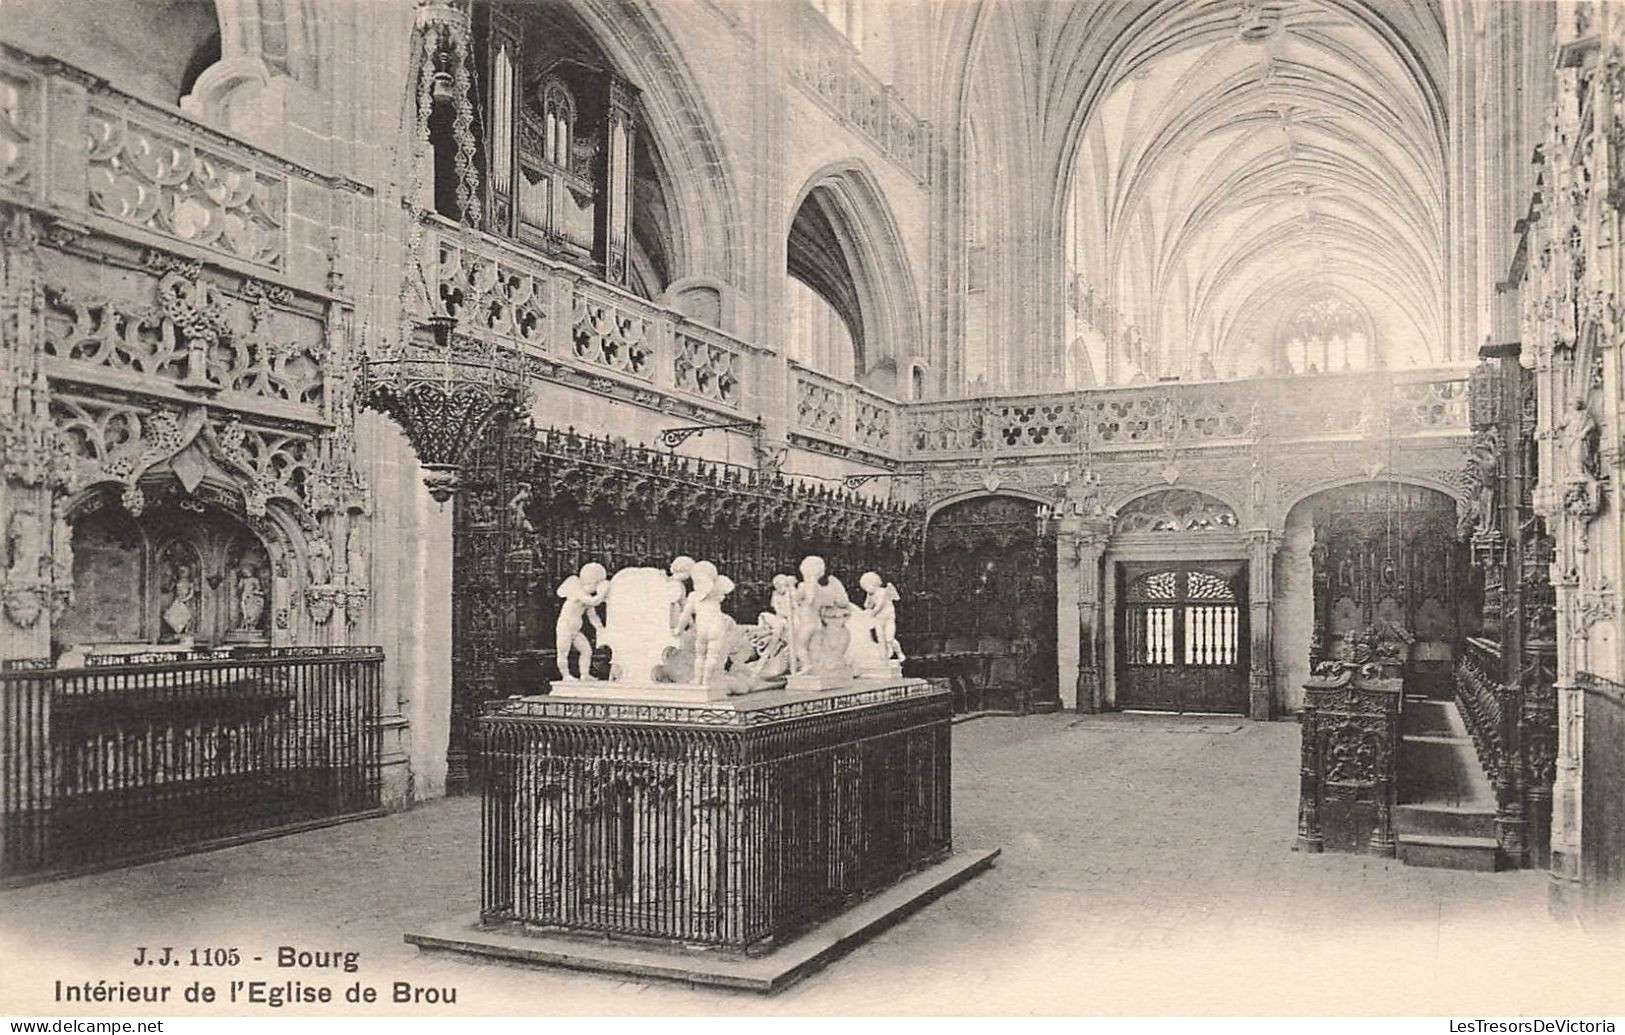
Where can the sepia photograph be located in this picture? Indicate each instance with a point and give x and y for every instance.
(812, 508)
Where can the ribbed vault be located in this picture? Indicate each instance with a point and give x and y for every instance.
(1231, 162)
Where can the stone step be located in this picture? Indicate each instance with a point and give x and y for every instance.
(1423, 717)
(1443, 820)
(1450, 853)
(1442, 771)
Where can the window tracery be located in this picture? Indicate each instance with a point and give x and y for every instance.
(1325, 335)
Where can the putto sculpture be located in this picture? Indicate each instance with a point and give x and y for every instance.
(582, 595)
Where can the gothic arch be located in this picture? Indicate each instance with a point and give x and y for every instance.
(1437, 483)
(702, 186)
(1147, 489)
(868, 236)
(278, 536)
(970, 494)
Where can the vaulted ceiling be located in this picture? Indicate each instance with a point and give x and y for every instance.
(1233, 160)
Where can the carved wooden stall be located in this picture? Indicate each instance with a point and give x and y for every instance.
(1387, 566)
(1506, 677)
(983, 608)
(1348, 766)
(535, 506)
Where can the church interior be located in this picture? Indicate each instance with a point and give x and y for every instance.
(1176, 443)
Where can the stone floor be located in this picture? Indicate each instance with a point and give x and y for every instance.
(1147, 869)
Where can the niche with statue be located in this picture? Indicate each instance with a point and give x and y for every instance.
(182, 573)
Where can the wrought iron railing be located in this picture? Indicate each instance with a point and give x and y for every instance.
(111, 763)
(712, 828)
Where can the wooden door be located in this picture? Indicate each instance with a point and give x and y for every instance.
(1182, 637)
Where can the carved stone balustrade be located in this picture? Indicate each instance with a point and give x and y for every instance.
(1183, 416)
(1348, 770)
(837, 416)
(830, 70)
(104, 160)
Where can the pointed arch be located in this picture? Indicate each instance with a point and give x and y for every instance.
(883, 291)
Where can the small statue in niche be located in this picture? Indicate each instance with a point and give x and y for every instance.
(355, 555)
(1483, 466)
(61, 543)
(1255, 421)
(178, 615)
(881, 603)
(519, 507)
(1580, 438)
(321, 561)
(23, 555)
(582, 594)
(250, 599)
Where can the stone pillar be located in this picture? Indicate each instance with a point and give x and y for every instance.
(1080, 644)
(1565, 843)
(1262, 544)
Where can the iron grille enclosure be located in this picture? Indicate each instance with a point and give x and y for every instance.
(707, 826)
(115, 763)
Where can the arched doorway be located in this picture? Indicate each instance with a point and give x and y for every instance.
(988, 589)
(1182, 645)
(1179, 592)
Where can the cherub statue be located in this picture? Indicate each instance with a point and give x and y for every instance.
(818, 620)
(681, 570)
(770, 655)
(582, 595)
(713, 629)
(881, 603)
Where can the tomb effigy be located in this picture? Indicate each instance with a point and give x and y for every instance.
(728, 788)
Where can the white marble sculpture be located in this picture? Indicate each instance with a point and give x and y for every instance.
(874, 650)
(670, 638)
(638, 622)
(771, 634)
(582, 595)
(714, 631)
(818, 629)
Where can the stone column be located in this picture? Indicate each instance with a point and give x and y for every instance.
(1262, 544)
(1080, 645)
